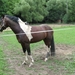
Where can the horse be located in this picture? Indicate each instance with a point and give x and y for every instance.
(27, 34)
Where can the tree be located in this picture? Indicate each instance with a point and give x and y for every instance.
(71, 17)
(56, 10)
(40, 10)
(1, 7)
(6, 7)
(31, 10)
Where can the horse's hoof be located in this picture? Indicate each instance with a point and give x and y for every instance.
(31, 64)
(52, 54)
(46, 59)
(24, 63)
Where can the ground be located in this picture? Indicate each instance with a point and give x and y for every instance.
(40, 67)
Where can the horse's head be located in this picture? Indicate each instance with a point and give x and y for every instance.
(2, 24)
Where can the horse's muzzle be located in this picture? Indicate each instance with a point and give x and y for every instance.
(1, 29)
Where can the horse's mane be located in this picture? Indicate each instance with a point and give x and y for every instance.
(13, 18)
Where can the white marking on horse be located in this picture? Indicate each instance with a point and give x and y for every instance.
(48, 54)
(26, 29)
(32, 61)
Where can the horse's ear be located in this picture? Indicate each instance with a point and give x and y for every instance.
(3, 16)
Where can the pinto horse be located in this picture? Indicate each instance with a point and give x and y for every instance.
(27, 34)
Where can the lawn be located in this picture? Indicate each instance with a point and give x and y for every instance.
(2, 63)
(66, 37)
(4, 70)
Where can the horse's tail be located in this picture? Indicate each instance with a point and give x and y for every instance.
(52, 46)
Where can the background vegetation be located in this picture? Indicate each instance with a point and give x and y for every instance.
(34, 11)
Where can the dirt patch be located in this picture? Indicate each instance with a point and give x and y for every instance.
(40, 67)
(64, 49)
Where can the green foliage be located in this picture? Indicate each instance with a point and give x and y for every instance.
(7, 6)
(31, 10)
(71, 16)
(40, 10)
(58, 10)
(61, 10)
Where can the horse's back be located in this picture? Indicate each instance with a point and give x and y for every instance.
(40, 32)
(49, 31)
(41, 27)
(47, 27)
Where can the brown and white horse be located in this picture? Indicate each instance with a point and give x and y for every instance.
(27, 34)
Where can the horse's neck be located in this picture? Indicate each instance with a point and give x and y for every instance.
(14, 27)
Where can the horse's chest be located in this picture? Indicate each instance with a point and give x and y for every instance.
(22, 38)
(26, 29)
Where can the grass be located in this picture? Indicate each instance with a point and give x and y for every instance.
(65, 66)
(65, 36)
(60, 37)
(3, 64)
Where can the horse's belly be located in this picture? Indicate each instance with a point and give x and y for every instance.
(37, 37)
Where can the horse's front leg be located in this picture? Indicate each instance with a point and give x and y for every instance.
(30, 56)
(25, 53)
(26, 59)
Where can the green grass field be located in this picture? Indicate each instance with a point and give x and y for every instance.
(66, 36)
(60, 37)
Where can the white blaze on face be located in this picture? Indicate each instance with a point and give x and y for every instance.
(25, 28)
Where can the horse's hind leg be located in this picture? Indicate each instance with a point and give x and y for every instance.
(51, 47)
(47, 55)
(47, 43)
